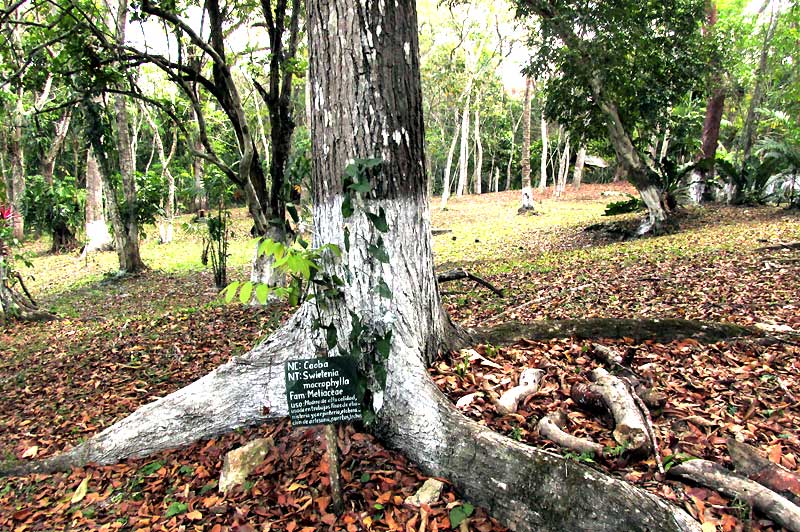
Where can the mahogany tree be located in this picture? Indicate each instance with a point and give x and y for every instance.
(371, 202)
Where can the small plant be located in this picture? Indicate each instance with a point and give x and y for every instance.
(585, 458)
(516, 433)
(458, 514)
(462, 367)
(676, 459)
(632, 204)
(216, 246)
(616, 451)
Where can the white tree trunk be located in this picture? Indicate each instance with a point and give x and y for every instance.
(449, 165)
(563, 168)
(580, 162)
(463, 155)
(477, 178)
(97, 236)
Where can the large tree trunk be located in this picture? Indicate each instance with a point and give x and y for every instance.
(638, 173)
(527, 191)
(126, 229)
(526, 488)
(698, 179)
(97, 236)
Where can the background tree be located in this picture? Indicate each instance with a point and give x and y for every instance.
(621, 68)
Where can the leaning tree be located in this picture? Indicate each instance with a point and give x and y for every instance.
(619, 67)
(366, 105)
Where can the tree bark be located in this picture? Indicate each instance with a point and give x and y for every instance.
(463, 154)
(511, 152)
(48, 162)
(698, 179)
(527, 191)
(16, 190)
(545, 148)
(477, 178)
(97, 236)
(448, 165)
(580, 162)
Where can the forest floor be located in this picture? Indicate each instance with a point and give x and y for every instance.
(125, 341)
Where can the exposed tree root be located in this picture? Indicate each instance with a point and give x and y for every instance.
(630, 428)
(526, 488)
(460, 273)
(763, 499)
(749, 463)
(529, 381)
(659, 330)
(552, 427)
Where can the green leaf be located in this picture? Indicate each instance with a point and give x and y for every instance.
(379, 220)
(246, 292)
(378, 506)
(292, 210)
(459, 513)
(379, 252)
(230, 291)
(80, 492)
(347, 239)
(331, 336)
(383, 289)
(176, 508)
(347, 207)
(362, 187)
(365, 477)
(384, 345)
(380, 375)
(150, 468)
(262, 293)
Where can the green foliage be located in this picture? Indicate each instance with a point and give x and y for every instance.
(675, 459)
(50, 207)
(176, 508)
(585, 458)
(632, 204)
(215, 245)
(646, 55)
(459, 513)
(751, 179)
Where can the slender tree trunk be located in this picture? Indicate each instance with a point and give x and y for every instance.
(580, 162)
(48, 162)
(751, 120)
(477, 178)
(97, 236)
(563, 168)
(545, 148)
(16, 189)
(511, 152)
(448, 166)
(463, 155)
(527, 191)
(198, 171)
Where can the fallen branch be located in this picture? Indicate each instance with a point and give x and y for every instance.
(529, 382)
(716, 477)
(789, 245)
(651, 430)
(629, 424)
(749, 463)
(460, 273)
(436, 232)
(641, 386)
(551, 427)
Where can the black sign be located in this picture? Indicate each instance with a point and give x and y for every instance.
(321, 391)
